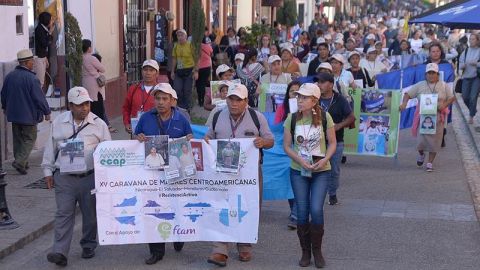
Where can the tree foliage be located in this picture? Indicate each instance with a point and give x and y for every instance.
(197, 17)
(255, 33)
(73, 49)
(287, 15)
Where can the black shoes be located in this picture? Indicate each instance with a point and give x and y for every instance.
(57, 258)
(178, 246)
(154, 258)
(344, 159)
(19, 168)
(332, 200)
(88, 253)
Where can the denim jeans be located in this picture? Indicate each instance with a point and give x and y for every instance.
(335, 172)
(293, 209)
(309, 195)
(470, 88)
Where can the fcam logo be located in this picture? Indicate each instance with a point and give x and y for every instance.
(457, 10)
(112, 157)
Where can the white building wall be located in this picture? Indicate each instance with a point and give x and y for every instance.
(244, 13)
(11, 42)
(82, 11)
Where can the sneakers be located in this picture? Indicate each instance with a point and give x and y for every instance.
(429, 167)
(420, 160)
(292, 224)
(332, 200)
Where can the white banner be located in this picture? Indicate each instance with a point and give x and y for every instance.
(135, 205)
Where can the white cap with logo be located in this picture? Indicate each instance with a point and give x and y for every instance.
(165, 88)
(78, 95)
(238, 90)
(432, 67)
(222, 69)
(151, 63)
(309, 90)
(274, 58)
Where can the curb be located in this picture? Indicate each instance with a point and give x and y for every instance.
(26, 240)
(470, 155)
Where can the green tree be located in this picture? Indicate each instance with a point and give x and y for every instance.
(197, 17)
(287, 14)
(256, 31)
(73, 49)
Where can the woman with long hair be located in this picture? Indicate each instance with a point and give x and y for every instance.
(305, 141)
(249, 73)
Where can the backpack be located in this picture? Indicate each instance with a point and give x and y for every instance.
(293, 123)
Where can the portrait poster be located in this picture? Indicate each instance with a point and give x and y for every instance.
(428, 104)
(156, 152)
(72, 156)
(428, 124)
(219, 89)
(228, 156)
(181, 164)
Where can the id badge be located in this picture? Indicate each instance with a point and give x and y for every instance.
(72, 156)
(308, 158)
(134, 123)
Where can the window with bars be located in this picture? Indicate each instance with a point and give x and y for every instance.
(135, 39)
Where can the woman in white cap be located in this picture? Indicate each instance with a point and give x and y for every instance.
(372, 64)
(370, 42)
(288, 62)
(359, 73)
(339, 48)
(432, 85)
(343, 78)
(309, 140)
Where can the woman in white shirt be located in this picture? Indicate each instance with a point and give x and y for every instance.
(373, 65)
(416, 41)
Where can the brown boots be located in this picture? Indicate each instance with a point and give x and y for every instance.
(303, 232)
(311, 237)
(316, 236)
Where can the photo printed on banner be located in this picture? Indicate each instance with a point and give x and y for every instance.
(228, 156)
(156, 152)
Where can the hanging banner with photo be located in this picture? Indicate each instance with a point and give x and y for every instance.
(272, 95)
(136, 205)
(376, 127)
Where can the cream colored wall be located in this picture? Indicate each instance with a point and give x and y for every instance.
(11, 42)
(106, 35)
(244, 13)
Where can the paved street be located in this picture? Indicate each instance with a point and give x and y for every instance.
(392, 216)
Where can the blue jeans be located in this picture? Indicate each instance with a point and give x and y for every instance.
(335, 172)
(470, 88)
(309, 195)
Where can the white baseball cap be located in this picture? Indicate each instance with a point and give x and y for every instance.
(165, 88)
(327, 36)
(181, 31)
(309, 90)
(371, 49)
(320, 40)
(238, 90)
(324, 65)
(370, 36)
(78, 95)
(339, 58)
(288, 49)
(339, 41)
(240, 56)
(432, 67)
(373, 26)
(222, 69)
(151, 63)
(352, 53)
(353, 26)
(274, 58)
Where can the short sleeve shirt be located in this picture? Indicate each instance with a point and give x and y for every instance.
(308, 137)
(184, 55)
(441, 88)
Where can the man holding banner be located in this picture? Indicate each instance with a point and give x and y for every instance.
(239, 121)
(342, 115)
(164, 119)
(438, 92)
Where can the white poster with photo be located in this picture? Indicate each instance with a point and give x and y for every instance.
(72, 156)
(182, 163)
(428, 104)
(156, 152)
(135, 205)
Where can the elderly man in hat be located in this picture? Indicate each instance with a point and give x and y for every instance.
(25, 106)
(77, 130)
(427, 142)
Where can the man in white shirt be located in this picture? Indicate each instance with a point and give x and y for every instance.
(80, 124)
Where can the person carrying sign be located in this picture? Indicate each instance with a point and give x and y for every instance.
(431, 87)
(239, 121)
(342, 114)
(77, 126)
(138, 99)
(163, 119)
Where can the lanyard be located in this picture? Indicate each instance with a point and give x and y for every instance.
(234, 124)
(143, 95)
(160, 126)
(284, 69)
(432, 90)
(304, 144)
(271, 75)
(80, 127)
(326, 108)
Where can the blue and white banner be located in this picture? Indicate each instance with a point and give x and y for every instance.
(411, 76)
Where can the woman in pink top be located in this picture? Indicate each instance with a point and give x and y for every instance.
(91, 70)
(204, 69)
